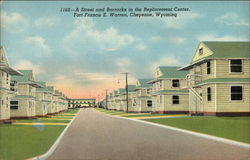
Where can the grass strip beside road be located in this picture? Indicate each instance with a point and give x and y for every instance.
(22, 142)
(31, 137)
(234, 128)
(43, 121)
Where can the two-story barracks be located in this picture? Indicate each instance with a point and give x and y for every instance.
(218, 79)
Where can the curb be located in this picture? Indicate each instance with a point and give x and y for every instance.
(54, 146)
(214, 138)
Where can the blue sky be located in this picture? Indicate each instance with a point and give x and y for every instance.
(85, 56)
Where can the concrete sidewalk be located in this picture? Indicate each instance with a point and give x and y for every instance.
(96, 136)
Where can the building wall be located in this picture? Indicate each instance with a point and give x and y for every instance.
(224, 103)
(223, 69)
(26, 108)
(5, 105)
(4, 80)
(182, 106)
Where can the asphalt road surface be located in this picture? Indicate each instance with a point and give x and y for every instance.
(96, 136)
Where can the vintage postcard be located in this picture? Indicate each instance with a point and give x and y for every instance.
(124, 80)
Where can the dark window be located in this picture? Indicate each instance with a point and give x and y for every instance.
(13, 104)
(236, 92)
(176, 100)
(176, 83)
(208, 68)
(209, 97)
(149, 103)
(148, 91)
(236, 65)
(200, 51)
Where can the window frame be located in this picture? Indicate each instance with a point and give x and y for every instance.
(14, 105)
(230, 92)
(178, 86)
(201, 51)
(209, 95)
(208, 68)
(151, 103)
(174, 99)
(230, 69)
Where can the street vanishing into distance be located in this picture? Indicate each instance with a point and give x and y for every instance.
(96, 136)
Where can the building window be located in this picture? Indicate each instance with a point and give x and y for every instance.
(160, 83)
(149, 103)
(208, 67)
(30, 104)
(7, 78)
(236, 92)
(160, 99)
(235, 65)
(209, 97)
(148, 91)
(176, 100)
(175, 83)
(200, 51)
(13, 104)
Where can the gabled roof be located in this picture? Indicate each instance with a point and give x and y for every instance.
(27, 74)
(3, 58)
(228, 49)
(121, 90)
(4, 65)
(43, 87)
(143, 83)
(222, 50)
(50, 88)
(131, 88)
(171, 72)
(26, 78)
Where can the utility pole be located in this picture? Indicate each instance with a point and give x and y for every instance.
(106, 99)
(126, 74)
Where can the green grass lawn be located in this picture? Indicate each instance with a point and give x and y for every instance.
(42, 121)
(19, 142)
(22, 142)
(234, 128)
(144, 115)
(75, 110)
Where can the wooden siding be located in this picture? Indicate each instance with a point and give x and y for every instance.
(223, 69)
(206, 52)
(209, 106)
(224, 103)
(182, 106)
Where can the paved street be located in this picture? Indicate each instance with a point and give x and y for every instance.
(96, 136)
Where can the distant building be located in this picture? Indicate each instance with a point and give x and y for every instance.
(143, 99)
(81, 103)
(167, 93)
(23, 105)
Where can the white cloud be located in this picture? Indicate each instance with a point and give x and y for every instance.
(109, 39)
(181, 20)
(13, 22)
(27, 65)
(178, 40)
(213, 37)
(155, 39)
(123, 64)
(141, 47)
(164, 61)
(44, 22)
(232, 19)
(39, 42)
